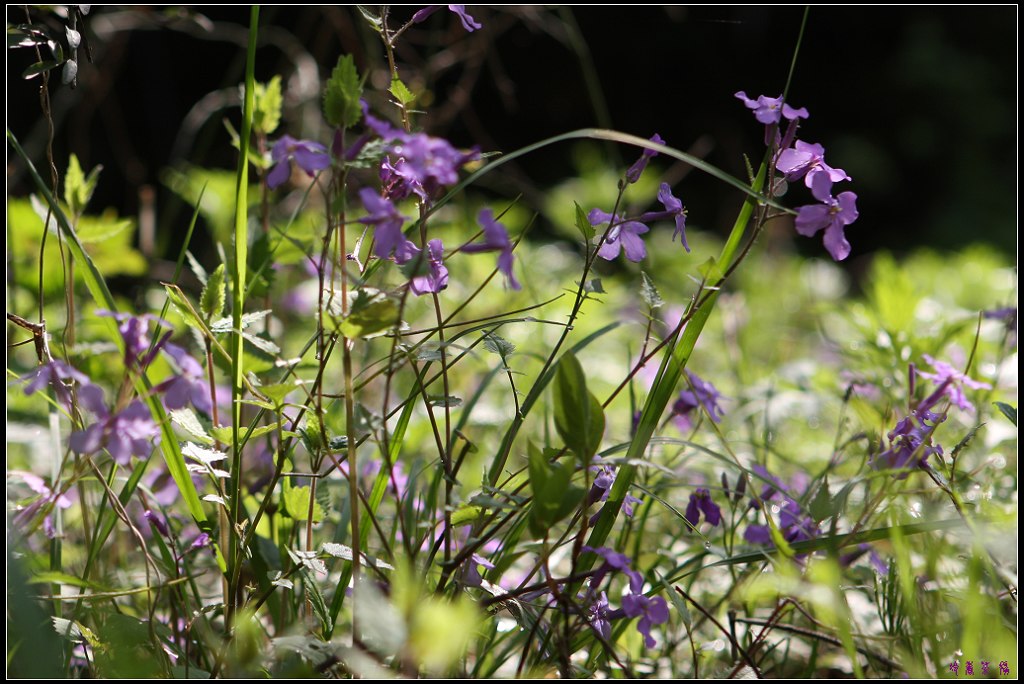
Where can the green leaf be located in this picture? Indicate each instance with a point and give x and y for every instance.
(267, 102)
(583, 224)
(1009, 411)
(553, 498)
(579, 417)
(94, 229)
(130, 651)
(371, 313)
(39, 68)
(710, 270)
(342, 93)
(296, 503)
(78, 188)
(649, 293)
(211, 301)
(498, 345)
(821, 507)
(401, 92)
(183, 306)
(465, 514)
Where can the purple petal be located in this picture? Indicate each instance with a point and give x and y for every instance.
(468, 22)
(812, 218)
(835, 241)
(279, 175)
(631, 242)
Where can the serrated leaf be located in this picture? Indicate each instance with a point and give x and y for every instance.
(450, 401)
(183, 306)
(345, 553)
(1009, 411)
(212, 299)
(401, 91)
(74, 187)
(187, 420)
(649, 292)
(277, 392)
(223, 432)
(308, 560)
(263, 344)
(371, 313)
(94, 229)
(583, 224)
(342, 93)
(196, 267)
(498, 345)
(267, 103)
(202, 454)
(579, 417)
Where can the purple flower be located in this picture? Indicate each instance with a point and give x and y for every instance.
(910, 442)
(603, 481)
(807, 161)
(436, 278)
(495, 240)
(634, 171)
(468, 22)
(308, 155)
(953, 381)
(597, 613)
(158, 522)
(700, 502)
(613, 561)
(387, 235)
(770, 110)
(135, 333)
(651, 611)
(673, 210)
(703, 394)
(55, 373)
(189, 387)
(622, 236)
(833, 214)
(131, 432)
(794, 524)
(420, 164)
(48, 498)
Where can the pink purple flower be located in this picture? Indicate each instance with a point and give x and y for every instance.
(833, 215)
(622, 236)
(634, 171)
(954, 381)
(468, 22)
(131, 432)
(55, 373)
(495, 240)
(770, 110)
(673, 210)
(135, 333)
(701, 394)
(388, 237)
(308, 155)
(435, 278)
(190, 387)
(807, 161)
(651, 611)
(700, 502)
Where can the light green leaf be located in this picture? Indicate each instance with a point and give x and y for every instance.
(371, 313)
(583, 224)
(296, 503)
(401, 92)
(649, 292)
(342, 93)
(267, 102)
(211, 301)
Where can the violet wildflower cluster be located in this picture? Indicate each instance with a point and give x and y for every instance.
(652, 611)
(807, 161)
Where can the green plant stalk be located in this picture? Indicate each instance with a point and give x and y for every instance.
(237, 309)
(668, 377)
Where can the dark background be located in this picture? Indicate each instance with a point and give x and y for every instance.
(917, 104)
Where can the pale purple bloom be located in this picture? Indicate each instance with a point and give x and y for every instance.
(135, 333)
(613, 561)
(806, 161)
(673, 210)
(48, 498)
(468, 22)
(634, 171)
(651, 611)
(387, 235)
(954, 382)
(700, 502)
(604, 478)
(703, 394)
(910, 441)
(436, 277)
(622, 236)
(158, 522)
(131, 432)
(308, 155)
(597, 613)
(833, 214)
(770, 110)
(190, 387)
(495, 240)
(55, 373)
(420, 164)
